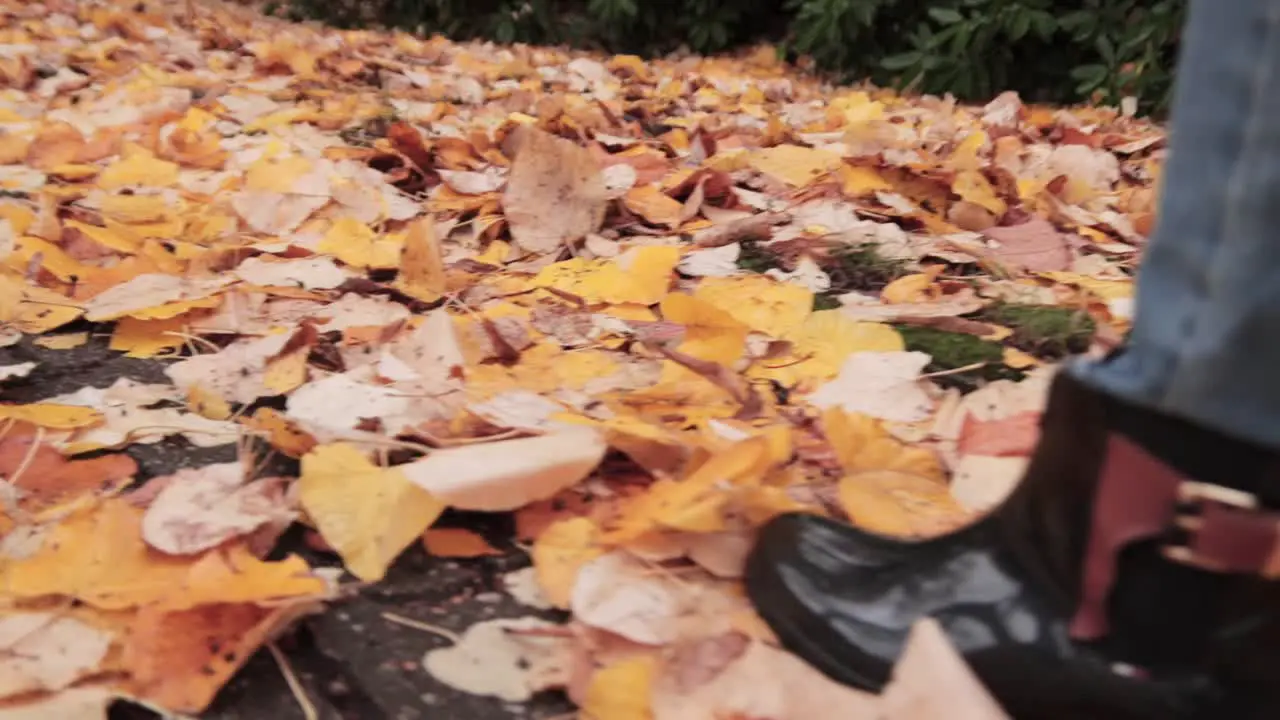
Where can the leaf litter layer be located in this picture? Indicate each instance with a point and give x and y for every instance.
(642, 305)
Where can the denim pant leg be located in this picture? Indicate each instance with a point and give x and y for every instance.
(1205, 344)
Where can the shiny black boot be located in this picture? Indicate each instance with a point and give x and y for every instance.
(1111, 584)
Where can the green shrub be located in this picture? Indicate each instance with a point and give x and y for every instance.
(1047, 50)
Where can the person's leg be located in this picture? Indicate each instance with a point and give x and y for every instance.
(1142, 548)
(1205, 344)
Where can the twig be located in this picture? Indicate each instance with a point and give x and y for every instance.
(304, 702)
(449, 635)
(954, 371)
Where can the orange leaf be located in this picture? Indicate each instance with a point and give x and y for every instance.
(457, 543)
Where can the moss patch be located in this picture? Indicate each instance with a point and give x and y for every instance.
(1046, 331)
(861, 268)
(756, 258)
(956, 350)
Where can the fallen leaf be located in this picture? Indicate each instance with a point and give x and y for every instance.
(620, 691)
(930, 679)
(201, 508)
(367, 513)
(1034, 245)
(705, 679)
(508, 474)
(180, 659)
(880, 384)
(508, 658)
(44, 651)
(555, 194)
(51, 415)
(457, 543)
(422, 272)
(559, 552)
(795, 165)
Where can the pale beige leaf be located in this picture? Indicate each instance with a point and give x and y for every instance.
(931, 680)
(508, 474)
(47, 651)
(555, 194)
(200, 508)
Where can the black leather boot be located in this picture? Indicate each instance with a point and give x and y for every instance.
(1111, 584)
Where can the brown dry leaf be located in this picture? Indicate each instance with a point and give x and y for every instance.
(457, 543)
(508, 474)
(367, 513)
(555, 194)
(180, 659)
(422, 272)
(1034, 245)
(48, 479)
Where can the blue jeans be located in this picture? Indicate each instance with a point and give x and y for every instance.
(1205, 344)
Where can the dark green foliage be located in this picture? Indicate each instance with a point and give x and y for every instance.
(1048, 50)
(1046, 331)
(951, 350)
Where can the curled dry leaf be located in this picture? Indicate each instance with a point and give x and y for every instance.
(555, 194)
(508, 474)
(201, 508)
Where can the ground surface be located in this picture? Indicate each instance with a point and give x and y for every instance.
(282, 305)
(353, 663)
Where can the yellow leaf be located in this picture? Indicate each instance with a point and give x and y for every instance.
(173, 309)
(148, 338)
(355, 244)
(862, 444)
(41, 310)
(280, 432)
(761, 303)
(899, 504)
(287, 372)
(653, 205)
(621, 691)
(965, 156)
(820, 344)
(857, 181)
(105, 237)
(277, 174)
(138, 166)
(641, 276)
(98, 556)
(710, 333)
(973, 186)
(64, 341)
(422, 272)
(366, 513)
(51, 258)
(795, 165)
(208, 404)
(51, 415)
(1015, 358)
(560, 552)
(908, 289)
